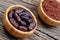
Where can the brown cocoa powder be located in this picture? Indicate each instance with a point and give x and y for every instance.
(52, 9)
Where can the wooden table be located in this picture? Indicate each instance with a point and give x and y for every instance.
(43, 32)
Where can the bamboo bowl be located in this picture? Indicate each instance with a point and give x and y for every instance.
(45, 17)
(11, 29)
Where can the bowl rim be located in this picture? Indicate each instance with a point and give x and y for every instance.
(46, 14)
(21, 6)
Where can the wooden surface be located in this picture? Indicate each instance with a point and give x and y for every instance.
(43, 32)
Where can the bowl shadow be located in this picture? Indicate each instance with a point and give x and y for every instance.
(11, 37)
(44, 24)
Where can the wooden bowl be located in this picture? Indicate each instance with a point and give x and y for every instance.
(11, 29)
(45, 17)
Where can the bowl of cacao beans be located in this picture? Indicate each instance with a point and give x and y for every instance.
(49, 12)
(19, 21)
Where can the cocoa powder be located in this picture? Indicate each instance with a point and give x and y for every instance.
(52, 9)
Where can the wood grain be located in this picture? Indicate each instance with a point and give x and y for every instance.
(43, 32)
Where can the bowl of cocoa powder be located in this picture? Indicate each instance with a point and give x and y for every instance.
(19, 21)
(49, 12)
